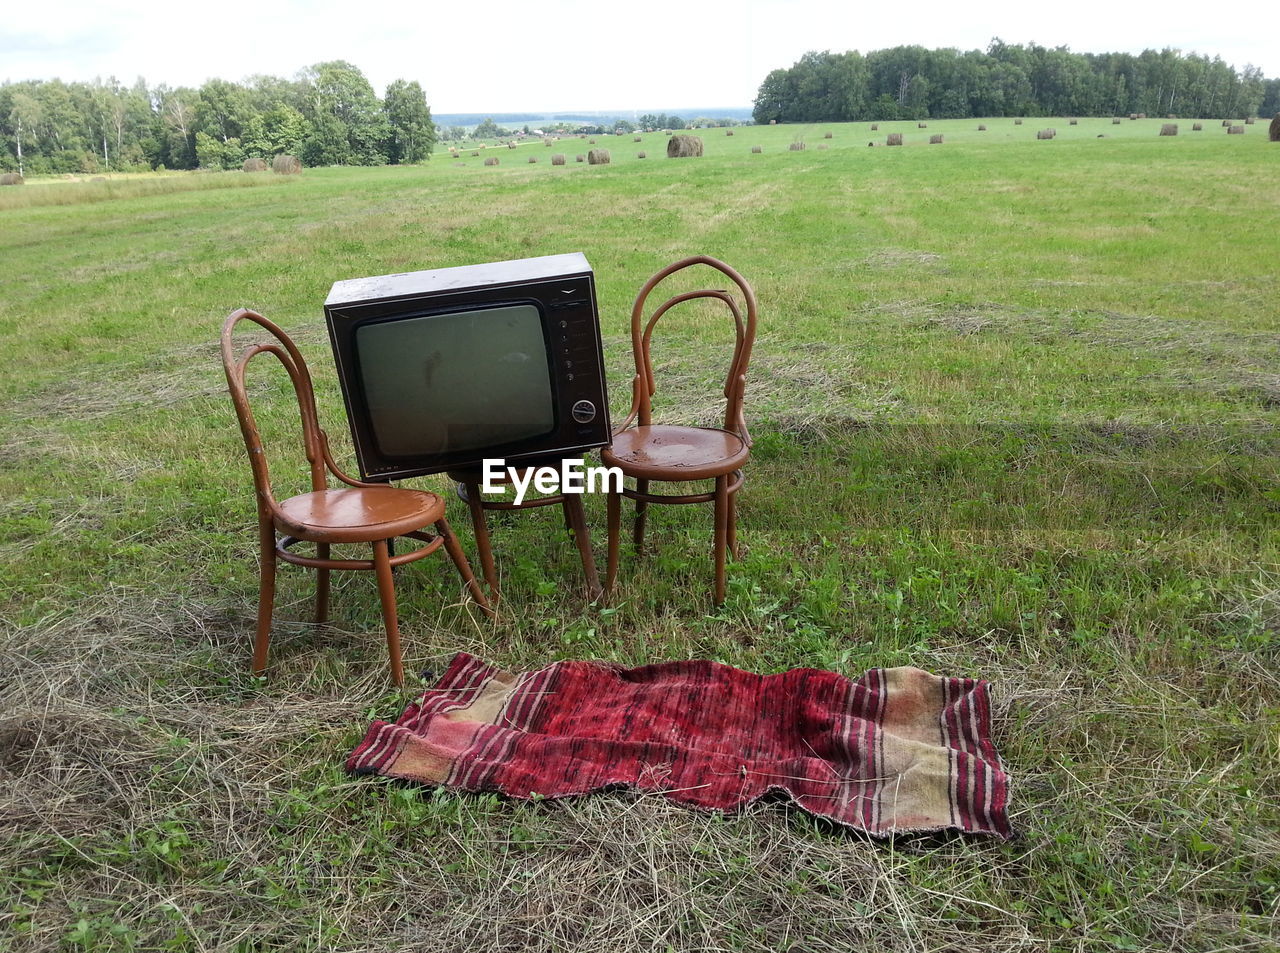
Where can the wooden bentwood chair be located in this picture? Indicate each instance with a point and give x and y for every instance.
(648, 452)
(358, 513)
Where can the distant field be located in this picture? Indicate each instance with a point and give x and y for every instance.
(1016, 409)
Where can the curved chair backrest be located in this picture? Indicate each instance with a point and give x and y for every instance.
(644, 387)
(314, 439)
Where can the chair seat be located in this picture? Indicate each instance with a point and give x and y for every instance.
(676, 453)
(359, 514)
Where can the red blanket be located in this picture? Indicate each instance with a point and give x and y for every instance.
(896, 750)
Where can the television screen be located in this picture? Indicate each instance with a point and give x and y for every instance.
(448, 383)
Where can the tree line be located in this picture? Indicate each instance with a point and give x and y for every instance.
(327, 115)
(911, 82)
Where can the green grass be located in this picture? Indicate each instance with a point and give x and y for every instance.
(1015, 404)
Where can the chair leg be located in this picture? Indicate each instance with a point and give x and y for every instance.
(575, 515)
(721, 533)
(733, 525)
(266, 594)
(642, 509)
(480, 525)
(454, 549)
(614, 501)
(387, 593)
(322, 586)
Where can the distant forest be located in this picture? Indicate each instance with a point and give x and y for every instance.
(327, 115)
(910, 82)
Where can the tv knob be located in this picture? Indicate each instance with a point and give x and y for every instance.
(584, 411)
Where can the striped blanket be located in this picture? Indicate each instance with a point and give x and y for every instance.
(896, 750)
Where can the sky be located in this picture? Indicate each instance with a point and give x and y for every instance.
(562, 55)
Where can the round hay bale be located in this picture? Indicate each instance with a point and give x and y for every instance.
(875, 127)
(797, 146)
(1171, 116)
(1046, 134)
(511, 145)
(579, 158)
(254, 165)
(826, 135)
(558, 159)
(895, 139)
(475, 155)
(756, 150)
(591, 142)
(1115, 120)
(981, 128)
(598, 157)
(1133, 116)
(922, 125)
(1017, 122)
(1142, 115)
(773, 122)
(1196, 127)
(1235, 130)
(1273, 131)
(1248, 121)
(547, 143)
(491, 160)
(11, 178)
(682, 146)
(1226, 123)
(823, 145)
(935, 139)
(533, 159)
(642, 155)
(635, 139)
(1169, 129)
(286, 165)
(1073, 122)
(728, 132)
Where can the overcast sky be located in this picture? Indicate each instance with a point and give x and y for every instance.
(533, 55)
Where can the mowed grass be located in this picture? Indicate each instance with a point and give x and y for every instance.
(1015, 405)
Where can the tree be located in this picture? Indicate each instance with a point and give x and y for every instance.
(489, 130)
(25, 111)
(413, 134)
(349, 126)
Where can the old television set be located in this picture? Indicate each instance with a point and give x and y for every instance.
(443, 369)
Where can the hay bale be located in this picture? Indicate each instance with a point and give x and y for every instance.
(254, 165)
(1196, 127)
(728, 132)
(547, 143)
(935, 139)
(511, 145)
(756, 150)
(895, 139)
(1248, 120)
(922, 125)
(1171, 116)
(558, 159)
(875, 127)
(635, 139)
(981, 128)
(1235, 130)
(1273, 132)
(598, 157)
(797, 146)
(682, 146)
(1046, 134)
(286, 165)
(533, 159)
(492, 160)
(1017, 122)
(1226, 124)
(1073, 122)
(1142, 115)
(11, 178)
(591, 142)
(642, 155)
(1169, 129)
(475, 155)
(773, 122)
(823, 145)
(826, 135)
(1115, 120)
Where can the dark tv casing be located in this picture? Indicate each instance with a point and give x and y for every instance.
(560, 287)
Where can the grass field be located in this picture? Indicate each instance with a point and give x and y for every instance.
(1016, 409)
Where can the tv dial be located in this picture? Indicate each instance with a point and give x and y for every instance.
(584, 411)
